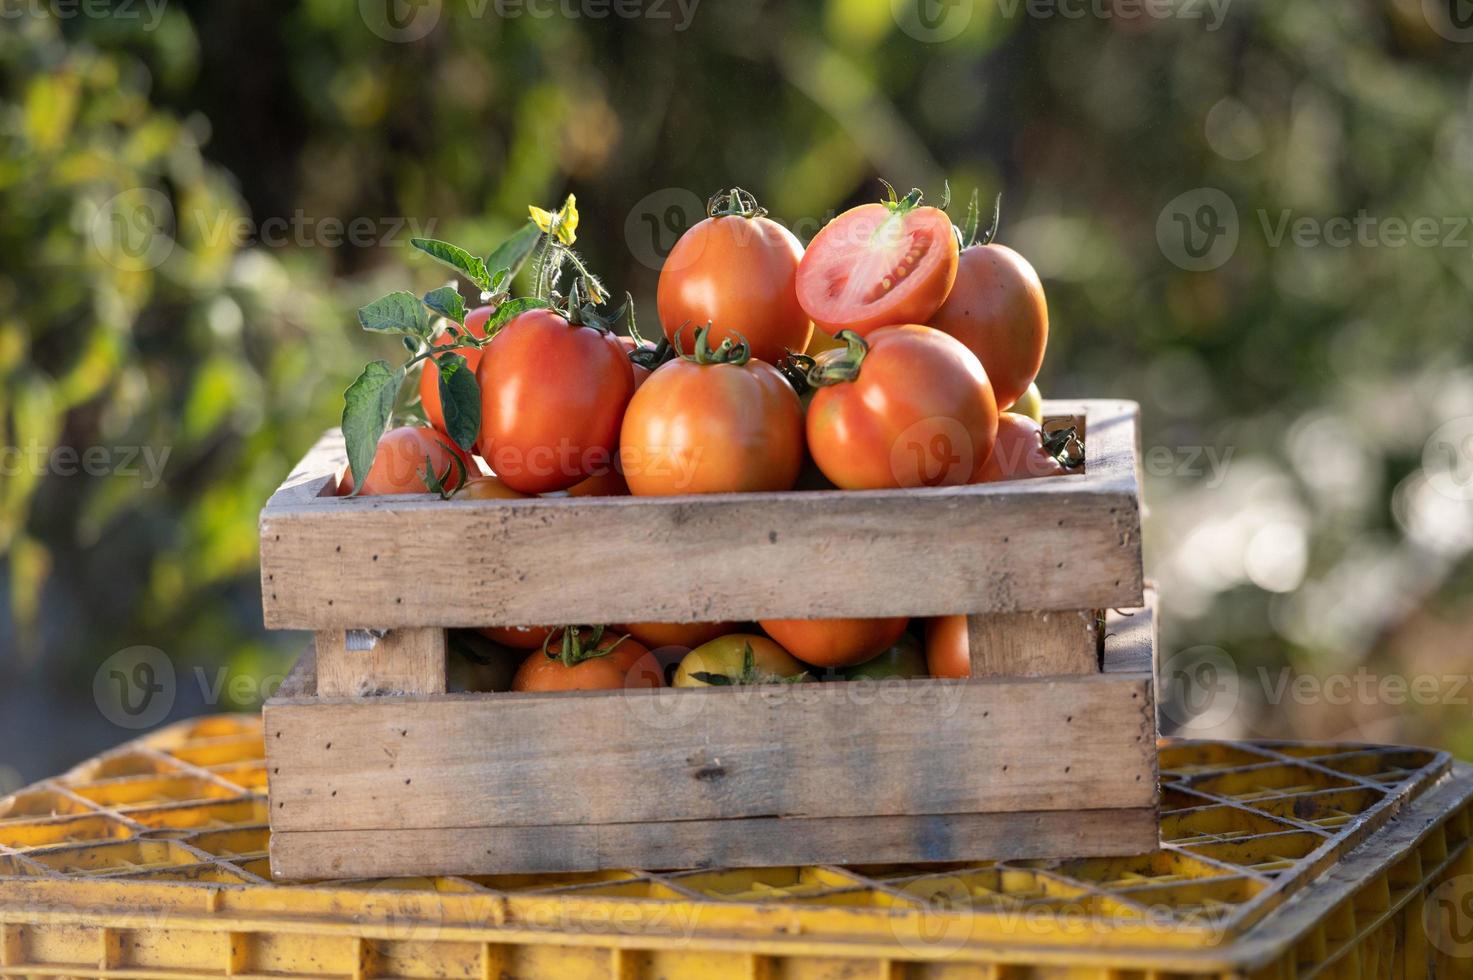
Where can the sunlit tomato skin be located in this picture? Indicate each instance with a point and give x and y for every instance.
(1031, 404)
(835, 642)
(726, 655)
(920, 413)
(997, 308)
(1019, 453)
(626, 664)
(401, 457)
(488, 488)
(688, 635)
(518, 637)
(552, 395)
(948, 650)
(429, 375)
(738, 274)
(903, 659)
(712, 428)
(874, 266)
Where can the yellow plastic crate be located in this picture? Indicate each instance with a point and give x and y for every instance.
(1277, 861)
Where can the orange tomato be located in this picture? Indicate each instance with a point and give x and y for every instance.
(948, 650)
(712, 427)
(689, 635)
(835, 642)
(609, 483)
(518, 637)
(735, 270)
(601, 662)
(911, 407)
(429, 375)
(996, 307)
(1019, 452)
(400, 460)
(489, 488)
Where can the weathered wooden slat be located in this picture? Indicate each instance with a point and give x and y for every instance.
(1057, 544)
(716, 843)
(403, 661)
(1034, 644)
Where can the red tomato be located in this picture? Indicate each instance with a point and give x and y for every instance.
(552, 395)
(997, 309)
(1019, 453)
(609, 483)
(835, 642)
(604, 661)
(948, 650)
(429, 375)
(736, 271)
(878, 265)
(699, 426)
(518, 637)
(688, 635)
(401, 457)
(918, 411)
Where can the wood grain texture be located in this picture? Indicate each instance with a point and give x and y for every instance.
(1034, 644)
(832, 749)
(403, 661)
(1065, 543)
(757, 842)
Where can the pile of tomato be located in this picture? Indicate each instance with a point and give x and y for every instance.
(895, 351)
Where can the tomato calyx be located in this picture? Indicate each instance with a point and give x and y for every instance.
(651, 356)
(832, 367)
(576, 648)
(749, 674)
(731, 351)
(911, 201)
(795, 367)
(441, 483)
(1065, 446)
(734, 203)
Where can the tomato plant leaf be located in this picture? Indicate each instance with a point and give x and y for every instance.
(447, 302)
(460, 399)
(974, 219)
(398, 312)
(508, 258)
(456, 258)
(511, 308)
(367, 405)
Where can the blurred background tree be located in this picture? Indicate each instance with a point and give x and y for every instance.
(180, 182)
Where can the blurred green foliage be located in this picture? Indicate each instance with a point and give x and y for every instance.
(1318, 373)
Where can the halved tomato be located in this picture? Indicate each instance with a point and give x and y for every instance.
(878, 265)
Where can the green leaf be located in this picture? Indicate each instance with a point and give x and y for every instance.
(460, 399)
(447, 302)
(511, 308)
(367, 405)
(974, 218)
(398, 312)
(507, 259)
(456, 257)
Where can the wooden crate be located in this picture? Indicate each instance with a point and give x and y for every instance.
(1048, 750)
